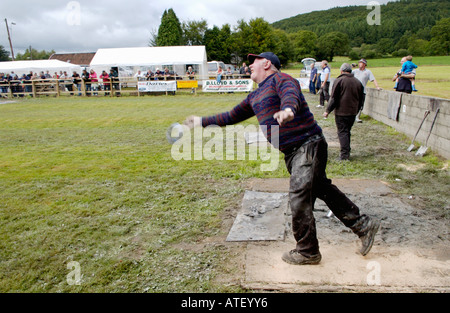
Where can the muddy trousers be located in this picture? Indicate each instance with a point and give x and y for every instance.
(308, 182)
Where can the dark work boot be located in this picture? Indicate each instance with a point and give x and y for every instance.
(296, 258)
(368, 238)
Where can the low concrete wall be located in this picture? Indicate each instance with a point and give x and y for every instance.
(411, 110)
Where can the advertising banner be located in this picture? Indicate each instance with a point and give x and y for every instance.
(157, 86)
(304, 83)
(228, 85)
(187, 84)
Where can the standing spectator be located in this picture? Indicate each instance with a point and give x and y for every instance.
(94, 81)
(325, 85)
(87, 81)
(158, 74)
(219, 74)
(229, 73)
(168, 74)
(55, 78)
(149, 75)
(247, 72)
(404, 81)
(114, 78)
(3, 85)
(408, 67)
(27, 82)
(242, 69)
(77, 81)
(105, 80)
(190, 73)
(139, 75)
(313, 79)
(63, 79)
(16, 86)
(364, 75)
(346, 99)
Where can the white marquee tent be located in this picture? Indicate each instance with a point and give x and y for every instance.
(130, 60)
(37, 66)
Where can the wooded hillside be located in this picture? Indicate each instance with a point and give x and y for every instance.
(411, 17)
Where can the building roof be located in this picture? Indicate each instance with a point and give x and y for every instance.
(82, 59)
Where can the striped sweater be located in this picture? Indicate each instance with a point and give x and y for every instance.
(277, 92)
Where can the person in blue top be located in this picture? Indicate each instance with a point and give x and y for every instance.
(313, 79)
(325, 86)
(408, 68)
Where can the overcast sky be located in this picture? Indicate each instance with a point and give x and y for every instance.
(87, 25)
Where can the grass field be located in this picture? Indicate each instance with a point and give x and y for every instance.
(92, 181)
(432, 74)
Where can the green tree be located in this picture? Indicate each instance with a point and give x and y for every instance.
(34, 55)
(418, 47)
(440, 37)
(241, 35)
(170, 32)
(257, 36)
(332, 44)
(194, 32)
(227, 43)
(385, 46)
(304, 43)
(212, 45)
(283, 46)
(4, 55)
(219, 43)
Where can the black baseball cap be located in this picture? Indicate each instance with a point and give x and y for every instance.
(272, 57)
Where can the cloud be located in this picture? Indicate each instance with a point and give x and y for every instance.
(87, 25)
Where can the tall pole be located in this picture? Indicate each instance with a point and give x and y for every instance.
(9, 38)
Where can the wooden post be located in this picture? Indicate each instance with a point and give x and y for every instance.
(10, 90)
(57, 88)
(33, 88)
(137, 85)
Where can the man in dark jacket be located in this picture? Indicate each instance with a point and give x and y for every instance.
(347, 98)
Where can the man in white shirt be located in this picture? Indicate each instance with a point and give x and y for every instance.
(325, 84)
(364, 75)
(139, 75)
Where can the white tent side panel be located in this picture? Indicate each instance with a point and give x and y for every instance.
(37, 66)
(130, 60)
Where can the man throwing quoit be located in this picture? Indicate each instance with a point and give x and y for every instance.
(279, 102)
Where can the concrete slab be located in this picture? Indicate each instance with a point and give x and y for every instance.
(341, 266)
(411, 251)
(262, 217)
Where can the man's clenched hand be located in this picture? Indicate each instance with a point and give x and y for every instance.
(284, 116)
